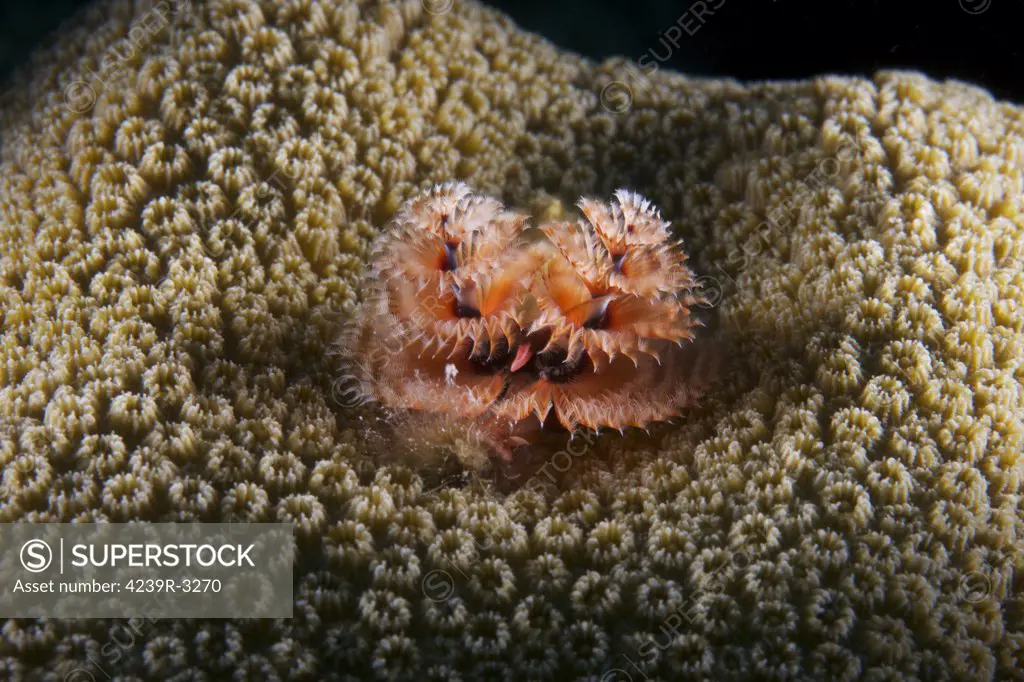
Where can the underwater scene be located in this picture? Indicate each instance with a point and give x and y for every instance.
(350, 340)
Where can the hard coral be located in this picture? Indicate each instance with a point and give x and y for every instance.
(182, 217)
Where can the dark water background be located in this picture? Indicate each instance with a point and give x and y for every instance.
(973, 40)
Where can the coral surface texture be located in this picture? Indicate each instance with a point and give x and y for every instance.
(188, 194)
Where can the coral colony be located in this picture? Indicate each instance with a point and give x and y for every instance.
(846, 507)
(588, 325)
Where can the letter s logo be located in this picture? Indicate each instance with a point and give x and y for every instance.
(36, 556)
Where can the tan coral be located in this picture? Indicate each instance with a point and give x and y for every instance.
(165, 327)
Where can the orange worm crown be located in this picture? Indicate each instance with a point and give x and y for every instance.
(590, 327)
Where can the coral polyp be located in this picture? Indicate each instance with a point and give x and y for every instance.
(584, 324)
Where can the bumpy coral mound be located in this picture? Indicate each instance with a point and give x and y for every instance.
(180, 240)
